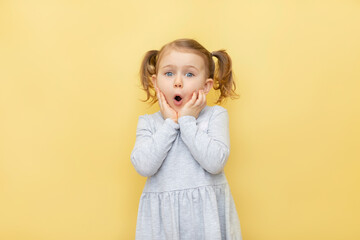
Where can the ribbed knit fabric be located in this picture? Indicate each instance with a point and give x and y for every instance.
(186, 195)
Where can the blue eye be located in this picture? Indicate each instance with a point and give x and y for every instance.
(169, 74)
(189, 75)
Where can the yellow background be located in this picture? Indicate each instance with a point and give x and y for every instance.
(69, 104)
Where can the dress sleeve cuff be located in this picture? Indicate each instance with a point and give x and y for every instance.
(186, 119)
(172, 124)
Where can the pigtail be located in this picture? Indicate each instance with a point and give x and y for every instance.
(147, 69)
(223, 76)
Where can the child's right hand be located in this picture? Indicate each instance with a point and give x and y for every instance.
(165, 109)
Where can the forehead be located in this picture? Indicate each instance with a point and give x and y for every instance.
(180, 57)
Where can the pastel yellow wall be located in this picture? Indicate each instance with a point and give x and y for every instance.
(69, 104)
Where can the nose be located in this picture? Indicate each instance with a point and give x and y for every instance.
(178, 82)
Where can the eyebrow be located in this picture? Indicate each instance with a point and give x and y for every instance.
(191, 66)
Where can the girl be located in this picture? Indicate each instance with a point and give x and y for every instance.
(183, 148)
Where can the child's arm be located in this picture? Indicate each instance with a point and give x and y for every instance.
(151, 148)
(211, 150)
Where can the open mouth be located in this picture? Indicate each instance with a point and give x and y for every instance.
(178, 98)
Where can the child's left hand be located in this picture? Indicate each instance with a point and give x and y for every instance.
(194, 106)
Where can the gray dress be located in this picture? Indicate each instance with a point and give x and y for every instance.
(186, 195)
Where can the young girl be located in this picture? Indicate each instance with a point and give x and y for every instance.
(183, 148)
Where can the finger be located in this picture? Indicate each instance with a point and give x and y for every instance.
(164, 102)
(204, 98)
(168, 109)
(157, 94)
(163, 99)
(199, 99)
(193, 99)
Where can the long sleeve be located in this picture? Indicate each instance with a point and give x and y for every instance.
(210, 149)
(151, 148)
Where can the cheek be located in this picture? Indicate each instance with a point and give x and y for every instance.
(164, 83)
(163, 89)
(161, 86)
(195, 88)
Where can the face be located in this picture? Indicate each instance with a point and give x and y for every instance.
(180, 74)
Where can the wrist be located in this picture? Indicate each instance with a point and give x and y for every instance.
(183, 114)
(175, 120)
(172, 123)
(186, 118)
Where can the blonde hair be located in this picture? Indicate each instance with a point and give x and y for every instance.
(221, 74)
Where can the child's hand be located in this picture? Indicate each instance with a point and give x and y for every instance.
(165, 109)
(194, 106)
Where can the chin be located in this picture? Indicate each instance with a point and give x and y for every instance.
(177, 108)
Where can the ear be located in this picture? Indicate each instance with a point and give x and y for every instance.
(208, 85)
(153, 79)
